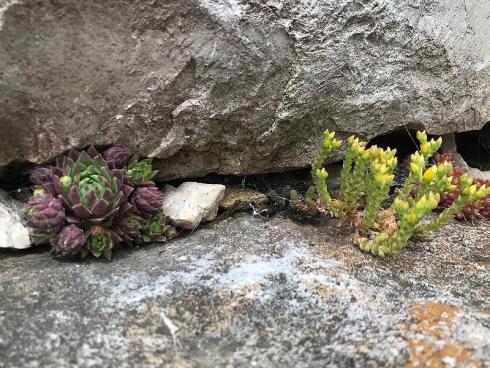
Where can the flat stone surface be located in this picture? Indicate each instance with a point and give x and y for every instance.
(245, 292)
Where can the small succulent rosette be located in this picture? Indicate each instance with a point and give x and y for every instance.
(88, 203)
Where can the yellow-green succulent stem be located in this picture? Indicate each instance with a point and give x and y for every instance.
(321, 186)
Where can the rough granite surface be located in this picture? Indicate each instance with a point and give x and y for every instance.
(235, 86)
(245, 292)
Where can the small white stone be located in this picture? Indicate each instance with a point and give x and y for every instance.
(13, 233)
(192, 203)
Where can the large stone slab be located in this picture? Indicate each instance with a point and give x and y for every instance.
(13, 231)
(245, 292)
(235, 86)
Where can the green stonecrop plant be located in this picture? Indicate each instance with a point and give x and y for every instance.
(379, 181)
(366, 179)
(318, 172)
(469, 193)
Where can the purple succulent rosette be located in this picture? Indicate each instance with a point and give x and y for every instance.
(129, 227)
(147, 201)
(89, 202)
(41, 175)
(45, 212)
(70, 240)
(117, 157)
(90, 189)
(45, 215)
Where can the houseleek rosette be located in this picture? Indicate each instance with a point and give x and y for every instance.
(45, 212)
(99, 242)
(140, 172)
(70, 240)
(92, 191)
(41, 175)
(129, 227)
(147, 201)
(45, 215)
(157, 229)
(118, 156)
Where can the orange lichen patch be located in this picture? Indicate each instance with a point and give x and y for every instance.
(433, 316)
(427, 354)
(433, 346)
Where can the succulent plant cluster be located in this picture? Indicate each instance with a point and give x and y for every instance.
(366, 179)
(472, 211)
(366, 176)
(89, 202)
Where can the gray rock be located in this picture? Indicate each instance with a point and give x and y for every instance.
(235, 87)
(246, 292)
(191, 203)
(479, 174)
(13, 232)
(449, 145)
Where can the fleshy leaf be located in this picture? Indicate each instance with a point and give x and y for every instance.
(89, 200)
(100, 208)
(92, 152)
(81, 211)
(73, 196)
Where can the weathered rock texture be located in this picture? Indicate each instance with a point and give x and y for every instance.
(13, 232)
(239, 199)
(250, 293)
(235, 86)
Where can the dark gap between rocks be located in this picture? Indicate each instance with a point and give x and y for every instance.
(282, 183)
(474, 147)
(15, 178)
